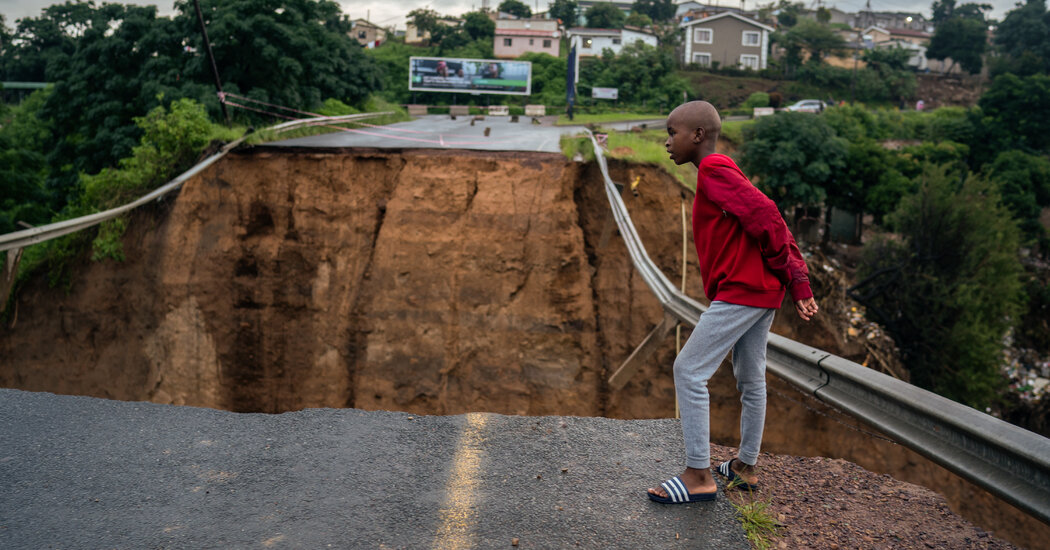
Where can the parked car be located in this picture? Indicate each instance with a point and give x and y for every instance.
(808, 106)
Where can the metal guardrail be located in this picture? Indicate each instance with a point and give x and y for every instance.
(1009, 462)
(22, 239)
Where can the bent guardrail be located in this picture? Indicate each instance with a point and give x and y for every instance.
(24, 238)
(1007, 461)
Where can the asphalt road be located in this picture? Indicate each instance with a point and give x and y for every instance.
(442, 132)
(79, 472)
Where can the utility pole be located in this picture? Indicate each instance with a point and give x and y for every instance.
(211, 58)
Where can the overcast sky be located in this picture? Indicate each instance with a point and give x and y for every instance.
(388, 13)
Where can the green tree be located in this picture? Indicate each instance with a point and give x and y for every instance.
(425, 20)
(893, 79)
(548, 78)
(125, 58)
(950, 288)
(818, 39)
(1023, 38)
(644, 75)
(516, 8)
(1024, 182)
(23, 165)
(963, 40)
(1010, 108)
(793, 158)
(656, 10)
(566, 11)
(605, 15)
(789, 13)
(638, 20)
(479, 26)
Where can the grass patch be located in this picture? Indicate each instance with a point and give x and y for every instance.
(648, 147)
(733, 131)
(598, 118)
(759, 526)
(642, 147)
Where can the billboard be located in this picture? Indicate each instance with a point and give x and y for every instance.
(471, 76)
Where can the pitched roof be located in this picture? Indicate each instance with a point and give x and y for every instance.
(727, 14)
(526, 32)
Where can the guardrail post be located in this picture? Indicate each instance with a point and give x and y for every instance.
(10, 272)
(643, 351)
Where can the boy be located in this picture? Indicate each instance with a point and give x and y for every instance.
(747, 259)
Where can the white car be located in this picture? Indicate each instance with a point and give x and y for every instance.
(808, 106)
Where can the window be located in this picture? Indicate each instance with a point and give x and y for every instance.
(702, 59)
(507, 41)
(587, 42)
(616, 41)
(362, 34)
(532, 41)
(703, 36)
(546, 43)
(749, 61)
(751, 38)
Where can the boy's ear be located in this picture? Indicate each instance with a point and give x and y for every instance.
(698, 135)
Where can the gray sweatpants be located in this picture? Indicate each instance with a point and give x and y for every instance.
(723, 327)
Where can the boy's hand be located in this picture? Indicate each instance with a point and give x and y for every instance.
(806, 308)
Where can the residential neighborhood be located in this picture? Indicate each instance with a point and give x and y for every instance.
(708, 35)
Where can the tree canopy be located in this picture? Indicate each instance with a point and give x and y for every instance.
(656, 10)
(516, 8)
(605, 16)
(1023, 38)
(113, 62)
(950, 289)
(794, 158)
(960, 35)
(566, 11)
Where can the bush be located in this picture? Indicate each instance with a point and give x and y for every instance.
(793, 157)
(757, 99)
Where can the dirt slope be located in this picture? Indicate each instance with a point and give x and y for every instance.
(422, 281)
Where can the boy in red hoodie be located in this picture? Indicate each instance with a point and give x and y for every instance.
(748, 259)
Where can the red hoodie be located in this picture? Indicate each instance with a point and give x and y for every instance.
(747, 254)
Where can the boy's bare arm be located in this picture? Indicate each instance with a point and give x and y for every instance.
(806, 308)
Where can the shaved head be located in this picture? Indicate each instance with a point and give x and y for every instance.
(692, 132)
(698, 114)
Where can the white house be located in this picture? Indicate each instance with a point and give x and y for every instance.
(591, 42)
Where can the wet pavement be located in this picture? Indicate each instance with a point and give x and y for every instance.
(80, 472)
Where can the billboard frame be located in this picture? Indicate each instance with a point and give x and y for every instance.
(412, 88)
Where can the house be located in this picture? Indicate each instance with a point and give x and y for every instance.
(837, 16)
(367, 33)
(893, 20)
(517, 36)
(591, 42)
(917, 58)
(413, 36)
(875, 35)
(728, 39)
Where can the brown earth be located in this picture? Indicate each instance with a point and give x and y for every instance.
(426, 282)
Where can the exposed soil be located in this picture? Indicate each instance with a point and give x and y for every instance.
(831, 504)
(435, 283)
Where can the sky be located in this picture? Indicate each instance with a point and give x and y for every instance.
(387, 13)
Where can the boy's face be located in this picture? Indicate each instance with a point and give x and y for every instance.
(681, 143)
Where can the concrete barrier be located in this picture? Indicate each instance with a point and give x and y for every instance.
(499, 110)
(417, 110)
(459, 110)
(762, 111)
(535, 110)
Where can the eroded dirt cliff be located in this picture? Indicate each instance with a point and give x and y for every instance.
(423, 281)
